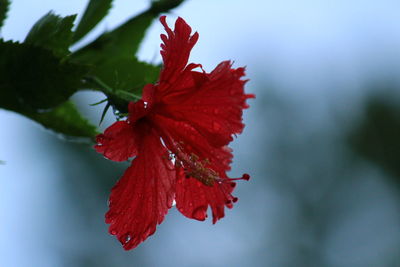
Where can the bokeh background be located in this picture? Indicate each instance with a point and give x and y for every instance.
(321, 143)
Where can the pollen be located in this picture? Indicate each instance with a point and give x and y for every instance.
(196, 168)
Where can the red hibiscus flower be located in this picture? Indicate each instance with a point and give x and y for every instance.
(178, 135)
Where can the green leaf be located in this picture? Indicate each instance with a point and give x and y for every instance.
(123, 79)
(126, 74)
(161, 6)
(32, 78)
(95, 11)
(112, 56)
(124, 41)
(4, 6)
(52, 32)
(65, 119)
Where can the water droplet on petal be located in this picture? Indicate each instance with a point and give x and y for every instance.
(113, 232)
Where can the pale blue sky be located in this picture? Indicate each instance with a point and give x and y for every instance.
(318, 53)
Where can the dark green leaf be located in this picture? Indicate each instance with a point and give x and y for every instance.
(52, 32)
(124, 41)
(160, 6)
(95, 11)
(124, 78)
(126, 74)
(4, 5)
(32, 78)
(65, 119)
(113, 59)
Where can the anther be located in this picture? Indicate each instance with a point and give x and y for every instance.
(245, 177)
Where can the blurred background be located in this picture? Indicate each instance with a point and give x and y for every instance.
(322, 145)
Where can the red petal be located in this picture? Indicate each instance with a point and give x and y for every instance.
(175, 50)
(141, 198)
(118, 142)
(213, 105)
(191, 141)
(192, 196)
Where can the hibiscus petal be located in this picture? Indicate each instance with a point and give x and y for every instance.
(214, 105)
(141, 198)
(175, 51)
(118, 142)
(192, 196)
(192, 142)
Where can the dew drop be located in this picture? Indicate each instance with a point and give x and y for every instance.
(113, 232)
(116, 111)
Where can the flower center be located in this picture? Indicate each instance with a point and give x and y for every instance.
(195, 168)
